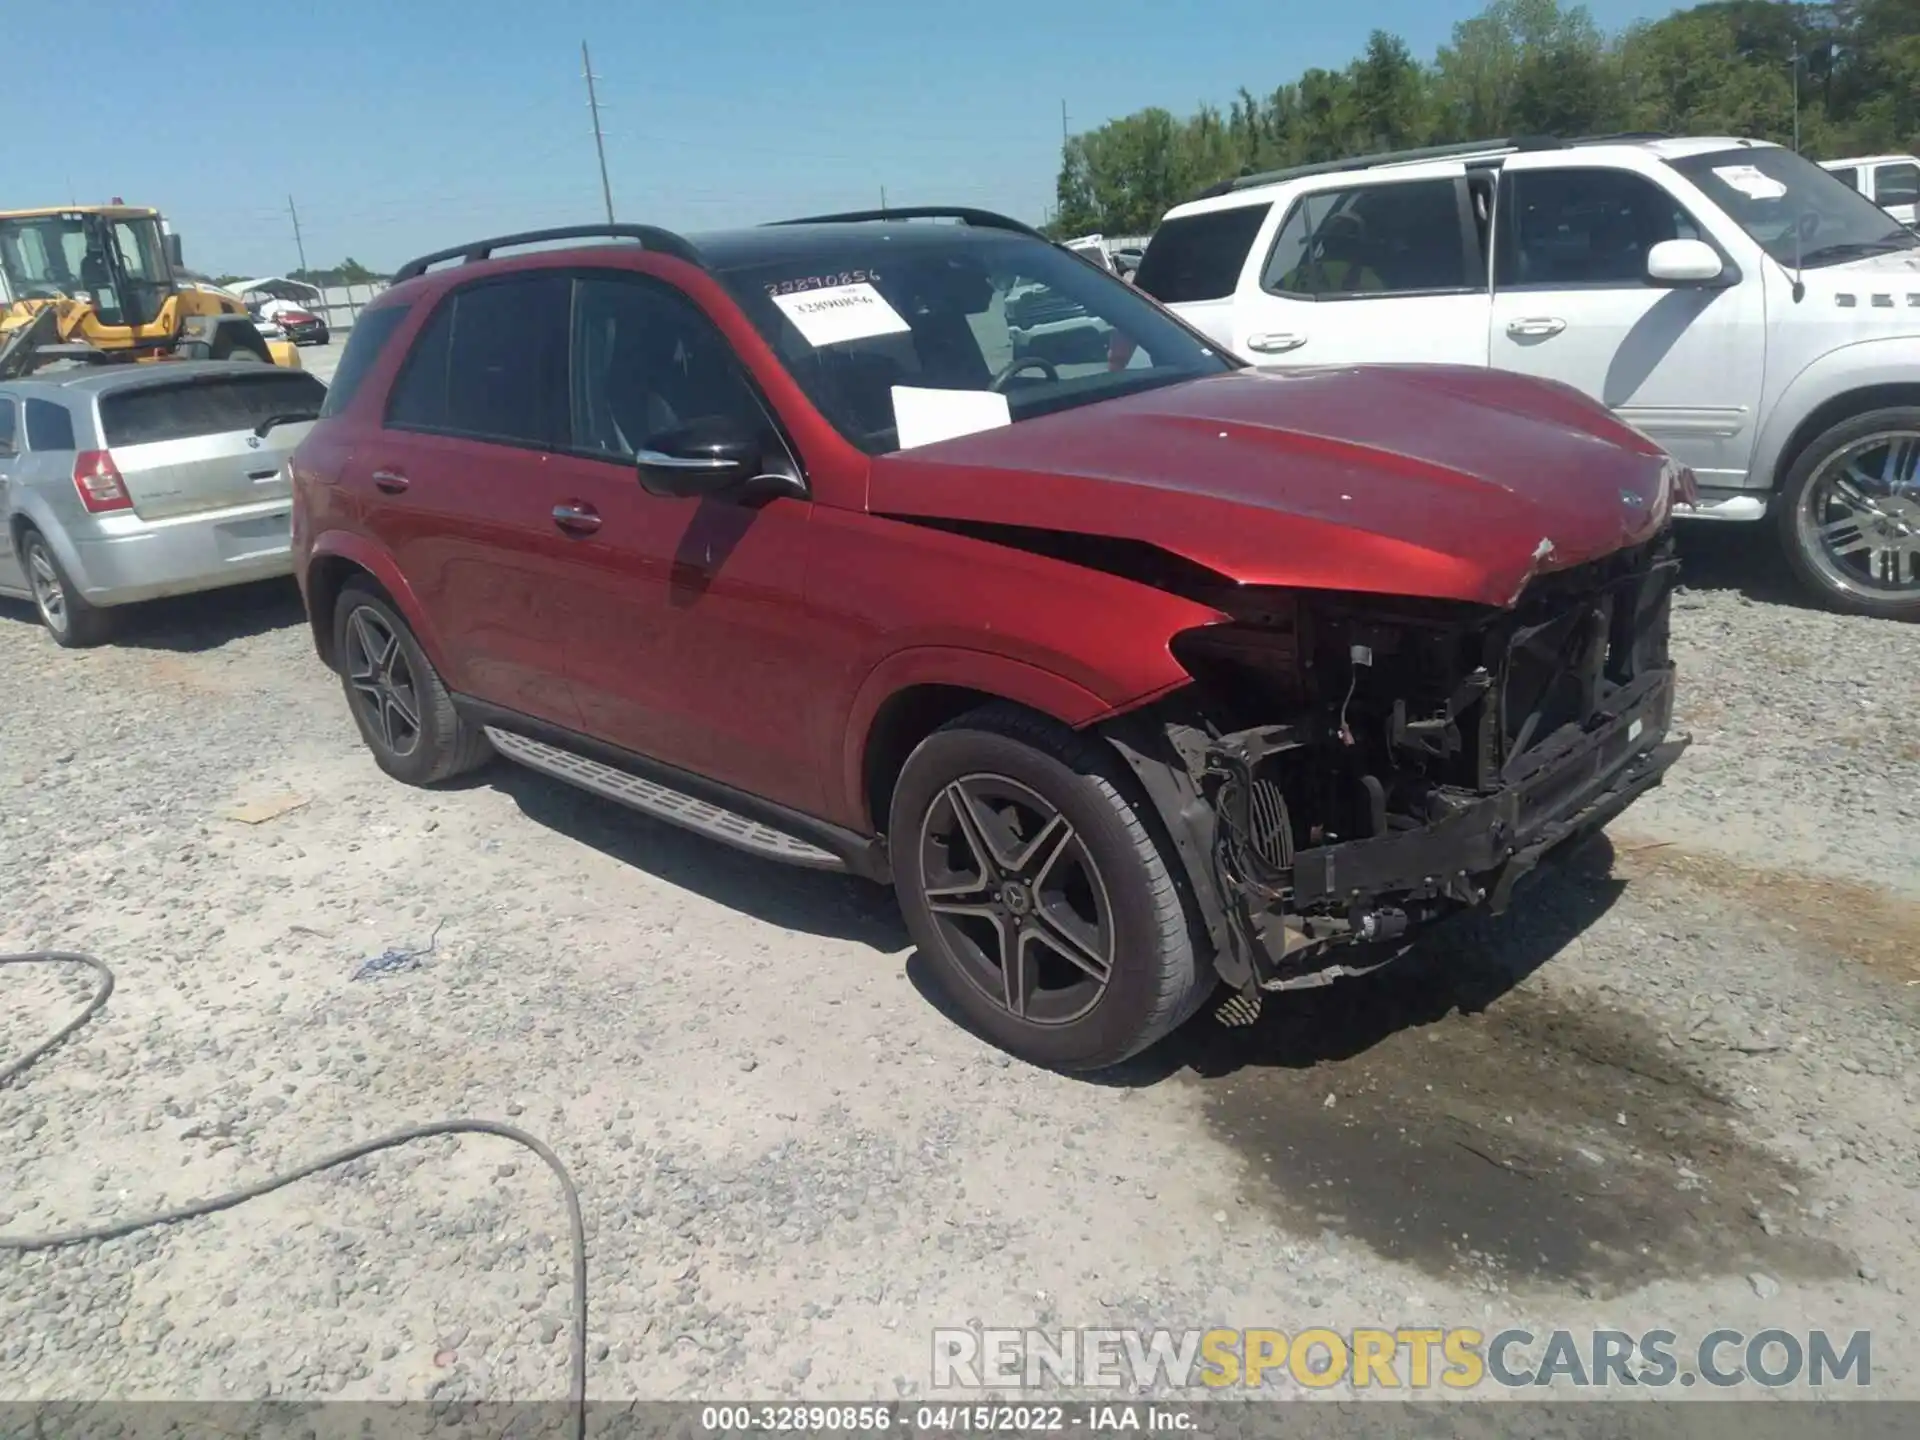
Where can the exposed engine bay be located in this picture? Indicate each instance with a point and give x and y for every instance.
(1354, 766)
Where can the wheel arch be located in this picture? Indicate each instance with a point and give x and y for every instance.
(336, 562)
(1851, 381)
(914, 692)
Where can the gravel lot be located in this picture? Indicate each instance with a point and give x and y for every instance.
(1676, 1088)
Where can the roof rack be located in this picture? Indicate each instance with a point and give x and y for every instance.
(648, 237)
(1430, 152)
(985, 219)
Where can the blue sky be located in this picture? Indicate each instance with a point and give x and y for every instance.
(406, 125)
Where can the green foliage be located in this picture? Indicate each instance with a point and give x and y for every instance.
(348, 272)
(1528, 67)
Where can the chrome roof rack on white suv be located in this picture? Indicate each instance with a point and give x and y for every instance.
(1461, 151)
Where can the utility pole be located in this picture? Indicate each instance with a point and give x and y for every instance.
(1064, 135)
(883, 197)
(298, 243)
(599, 144)
(1796, 96)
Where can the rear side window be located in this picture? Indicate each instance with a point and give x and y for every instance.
(1400, 238)
(365, 343)
(9, 428)
(1200, 257)
(492, 364)
(207, 405)
(49, 426)
(1849, 177)
(1896, 185)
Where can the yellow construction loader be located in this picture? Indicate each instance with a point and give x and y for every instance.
(102, 283)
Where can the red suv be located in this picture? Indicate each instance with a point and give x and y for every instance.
(1131, 667)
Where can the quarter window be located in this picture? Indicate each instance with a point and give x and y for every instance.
(1388, 239)
(1200, 257)
(49, 426)
(1561, 228)
(1849, 177)
(491, 364)
(1896, 185)
(646, 362)
(365, 342)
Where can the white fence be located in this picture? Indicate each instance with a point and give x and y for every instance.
(340, 305)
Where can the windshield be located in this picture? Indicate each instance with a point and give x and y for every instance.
(119, 265)
(1797, 212)
(948, 309)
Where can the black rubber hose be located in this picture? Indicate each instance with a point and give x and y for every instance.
(23, 1244)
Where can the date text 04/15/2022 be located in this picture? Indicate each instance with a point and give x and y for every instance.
(1090, 1418)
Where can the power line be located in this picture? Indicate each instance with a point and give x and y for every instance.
(599, 145)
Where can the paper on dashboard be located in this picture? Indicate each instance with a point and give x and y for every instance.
(835, 314)
(1750, 181)
(924, 416)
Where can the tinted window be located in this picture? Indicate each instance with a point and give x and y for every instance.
(1392, 239)
(49, 426)
(1583, 227)
(365, 342)
(1896, 184)
(492, 364)
(1795, 211)
(207, 405)
(1200, 257)
(646, 361)
(9, 434)
(1849, 177)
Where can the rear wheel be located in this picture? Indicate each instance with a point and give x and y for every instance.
(1850, 515)
(1031, 882)
(403, 710)
(63, 609)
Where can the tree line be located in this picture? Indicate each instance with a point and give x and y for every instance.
(1525, 68)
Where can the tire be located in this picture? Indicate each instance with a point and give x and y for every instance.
(1853, 539)
(405, 715)
(1093, 882)
(69, 618)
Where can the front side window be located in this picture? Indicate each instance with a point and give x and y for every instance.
(1897, 184)
(1398, 238)
(491, 364)
(950, 308)
(1795, 211)
(1200, 257)
(646, 362)
(1579, 227)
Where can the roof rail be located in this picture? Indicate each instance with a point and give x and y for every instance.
(1621, 138)
(985, 219)
(1384, 157)
(649, 237)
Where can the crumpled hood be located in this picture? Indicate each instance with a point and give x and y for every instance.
(1438, 481)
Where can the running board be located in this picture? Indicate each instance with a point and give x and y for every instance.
(651, 798)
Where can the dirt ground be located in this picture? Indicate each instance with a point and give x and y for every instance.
(1675, 1088)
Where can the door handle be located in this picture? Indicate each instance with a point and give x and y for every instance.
(1536, 328)
(1275, 344)
(576, 518)
(391, 481)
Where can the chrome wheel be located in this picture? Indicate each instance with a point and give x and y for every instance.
(48, 593)
(1858, 522)
(1017, 899)
(383, 682)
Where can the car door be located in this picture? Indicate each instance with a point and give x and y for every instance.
(1572, 302)
(690, 642)
(12, 577)
(458, 486)
(1376, 270)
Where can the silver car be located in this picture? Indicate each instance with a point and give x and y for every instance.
(122, 483)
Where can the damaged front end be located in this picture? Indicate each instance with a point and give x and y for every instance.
(1347, 768)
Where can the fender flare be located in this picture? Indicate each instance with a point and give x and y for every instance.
(1017, 680)
(1863, 365)
(364, 554)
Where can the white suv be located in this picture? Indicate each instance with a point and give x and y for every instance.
(1738, 304)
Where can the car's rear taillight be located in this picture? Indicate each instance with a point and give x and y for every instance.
(98, 480)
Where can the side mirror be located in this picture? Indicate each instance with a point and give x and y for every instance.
(1683, 262)
(703, 457)
(174, 253)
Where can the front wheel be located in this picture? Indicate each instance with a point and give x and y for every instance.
(1032, 883)
(1849, 515)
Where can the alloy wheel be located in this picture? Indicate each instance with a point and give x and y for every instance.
(48, 593)
(1017, 898)
(382, 680)
(1859, 516)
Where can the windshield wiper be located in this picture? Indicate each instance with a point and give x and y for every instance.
(292, 417)
(1850, 248)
